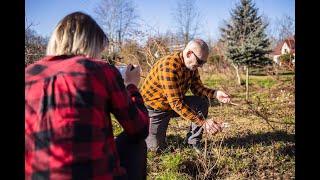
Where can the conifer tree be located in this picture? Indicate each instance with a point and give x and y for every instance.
(244, 39)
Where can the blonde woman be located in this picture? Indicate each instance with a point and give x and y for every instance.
(69, 97)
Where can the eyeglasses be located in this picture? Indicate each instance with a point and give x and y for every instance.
(199, 61)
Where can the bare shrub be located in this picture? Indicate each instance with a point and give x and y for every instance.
(35, 47)
(147, 49)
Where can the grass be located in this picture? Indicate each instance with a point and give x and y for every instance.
(259, 144)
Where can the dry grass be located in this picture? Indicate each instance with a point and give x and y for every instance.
(259, 144)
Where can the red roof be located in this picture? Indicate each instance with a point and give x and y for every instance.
(290, 42)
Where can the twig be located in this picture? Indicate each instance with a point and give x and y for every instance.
(257, 113)
(34, 54)
(233, 103)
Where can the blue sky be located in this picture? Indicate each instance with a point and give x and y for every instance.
(158, 13)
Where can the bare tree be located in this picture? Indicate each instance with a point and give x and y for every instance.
(287, 32)
(271, 31)
(283, 29)
(29, 23)
(156, 46)
(118, 18)
(187, 18)
(35, 44)
(279, 29)
(286, 27)
(146, 47)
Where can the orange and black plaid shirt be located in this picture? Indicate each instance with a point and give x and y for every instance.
(167, 83)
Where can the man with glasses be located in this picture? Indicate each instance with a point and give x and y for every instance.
(164, 92)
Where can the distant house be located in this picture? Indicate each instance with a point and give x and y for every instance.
(286, 46)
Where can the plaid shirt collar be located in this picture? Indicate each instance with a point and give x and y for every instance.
(180, 55)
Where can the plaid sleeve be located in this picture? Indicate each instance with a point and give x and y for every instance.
(198, 89)
(128, 106)
(168, 78)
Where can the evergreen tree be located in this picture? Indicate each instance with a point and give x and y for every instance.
(244, 38)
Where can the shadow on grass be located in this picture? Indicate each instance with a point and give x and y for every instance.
(214, 102)
(263, 138)
(188, 165)
(176, 141)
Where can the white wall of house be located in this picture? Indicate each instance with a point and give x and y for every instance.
(294, 59)
(285, 49)
(275, 58)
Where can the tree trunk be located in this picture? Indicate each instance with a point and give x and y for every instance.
(119, 40)
(247, 84)
(236, 67)
(111, 47)
(186, 38)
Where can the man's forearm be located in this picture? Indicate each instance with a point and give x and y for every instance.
(204, 91)
(186, 112)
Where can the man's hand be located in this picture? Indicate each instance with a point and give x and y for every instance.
(222, 96)
(211, 127)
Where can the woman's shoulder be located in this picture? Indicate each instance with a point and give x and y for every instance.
(92, 63)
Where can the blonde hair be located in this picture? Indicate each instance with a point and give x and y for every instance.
(77, 34)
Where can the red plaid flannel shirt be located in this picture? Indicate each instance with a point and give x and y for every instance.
(68, 130)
